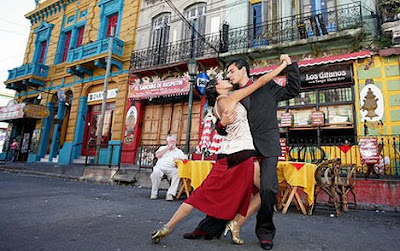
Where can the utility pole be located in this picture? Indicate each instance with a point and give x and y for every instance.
(104, 102)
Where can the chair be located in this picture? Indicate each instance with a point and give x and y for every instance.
(346, 184)
(326, 178)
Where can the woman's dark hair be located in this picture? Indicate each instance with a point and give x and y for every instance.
(211, 92)
(240, 63)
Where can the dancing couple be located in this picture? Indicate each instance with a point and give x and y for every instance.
(248, 118)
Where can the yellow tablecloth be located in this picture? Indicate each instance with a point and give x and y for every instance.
(304, 177)
(195, 170)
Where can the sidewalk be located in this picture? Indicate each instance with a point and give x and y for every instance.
(100, 174)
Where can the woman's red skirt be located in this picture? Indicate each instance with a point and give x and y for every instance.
(226, 191)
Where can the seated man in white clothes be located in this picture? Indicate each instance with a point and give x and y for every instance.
(166, 165)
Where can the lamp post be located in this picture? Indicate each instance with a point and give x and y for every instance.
(192, 69)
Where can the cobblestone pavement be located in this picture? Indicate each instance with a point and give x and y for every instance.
(48, 213)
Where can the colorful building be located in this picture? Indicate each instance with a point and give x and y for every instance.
(63, 74)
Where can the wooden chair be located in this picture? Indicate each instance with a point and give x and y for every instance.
(346, 184)
(326, 177)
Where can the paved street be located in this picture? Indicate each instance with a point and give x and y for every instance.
(47, 213)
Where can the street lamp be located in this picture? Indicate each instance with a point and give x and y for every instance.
(192, 69)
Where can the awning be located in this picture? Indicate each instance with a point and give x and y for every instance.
(317, 61)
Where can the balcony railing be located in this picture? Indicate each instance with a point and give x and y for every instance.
(296, 27)
(32, 69)
(95, 48)
(293, 28)
(176, 52)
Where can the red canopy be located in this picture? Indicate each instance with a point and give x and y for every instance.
(317, 61)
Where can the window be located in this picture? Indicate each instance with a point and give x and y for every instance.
(43, 46)
(79, 40)
(160, 37)
(196, 17)
(112, 22)
(67, 41)
(319, 17)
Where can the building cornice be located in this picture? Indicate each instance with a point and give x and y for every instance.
(47, 9)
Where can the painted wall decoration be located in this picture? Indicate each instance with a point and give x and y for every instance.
(130, 123)
(371, 102)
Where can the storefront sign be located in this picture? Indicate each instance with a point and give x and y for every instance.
(95, 96)
(326, 75)
(36, 111)
(171, 87)
(286, 119)
(369, 150)
(12, 111)
(317, 118)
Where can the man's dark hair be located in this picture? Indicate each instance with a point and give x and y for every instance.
(240, 63)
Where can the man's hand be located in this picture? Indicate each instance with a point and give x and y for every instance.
(228, 118)
(286, 58)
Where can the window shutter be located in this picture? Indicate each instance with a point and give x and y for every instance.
(66, 45)
(43, 46)
(80, 36)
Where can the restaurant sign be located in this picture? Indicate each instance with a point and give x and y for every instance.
(286, 119)
(369, 150)
(166, 88)
(96, 96)
(12, 111)
(326, 75)
(317, 118)
(36, 111)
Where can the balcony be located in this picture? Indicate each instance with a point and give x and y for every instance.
(94, 49)
(33, 74)
(175, 53)
(85, 58)
(313, 25)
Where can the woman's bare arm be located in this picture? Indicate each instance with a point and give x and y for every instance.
(229, 103)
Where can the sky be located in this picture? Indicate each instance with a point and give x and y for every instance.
(14, 32)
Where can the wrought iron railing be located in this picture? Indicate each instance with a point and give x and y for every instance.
(348, 150)
(176, 52)
(109, 155)
(305, 25)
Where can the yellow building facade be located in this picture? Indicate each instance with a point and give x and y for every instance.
(64, 70)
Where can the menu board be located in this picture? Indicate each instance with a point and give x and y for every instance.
(369, 150)
(286, 119)
(317, 118)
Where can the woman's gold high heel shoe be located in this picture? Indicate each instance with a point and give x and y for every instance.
(157, 235)
(233, 227)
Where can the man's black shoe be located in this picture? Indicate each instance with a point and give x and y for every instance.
(197, 234)
(267, 244)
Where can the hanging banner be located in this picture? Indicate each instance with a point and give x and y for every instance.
(166, 88)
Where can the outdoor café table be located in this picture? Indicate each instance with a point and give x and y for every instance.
(296, 175)
(192, 173)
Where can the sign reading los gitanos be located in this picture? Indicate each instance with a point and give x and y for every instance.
(170, 87)
(326, 75)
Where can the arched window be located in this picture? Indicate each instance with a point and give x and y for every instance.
(196, 15)
(160, 30)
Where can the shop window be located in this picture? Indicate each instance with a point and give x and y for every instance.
(304, 98)
(335, 95)
(338, 114)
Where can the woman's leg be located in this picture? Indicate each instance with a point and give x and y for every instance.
(183, 211)
(255, 201)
